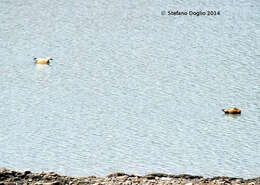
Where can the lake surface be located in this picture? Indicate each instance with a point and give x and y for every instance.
(130, 89)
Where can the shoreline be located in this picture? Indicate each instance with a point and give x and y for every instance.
(11, 177)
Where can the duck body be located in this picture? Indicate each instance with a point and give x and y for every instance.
(232, 111)
(42, 60)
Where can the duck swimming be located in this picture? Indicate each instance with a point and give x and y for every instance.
(42, 60)
(232, 111)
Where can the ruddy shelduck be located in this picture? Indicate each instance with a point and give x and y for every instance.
(232, 111)
(42, 60)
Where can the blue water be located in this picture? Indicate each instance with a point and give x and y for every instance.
(130, 89)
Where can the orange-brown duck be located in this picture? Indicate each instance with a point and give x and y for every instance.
(232, 111)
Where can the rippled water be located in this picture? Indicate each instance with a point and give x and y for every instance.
(130, 89)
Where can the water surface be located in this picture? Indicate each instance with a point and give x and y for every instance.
(130, 89)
